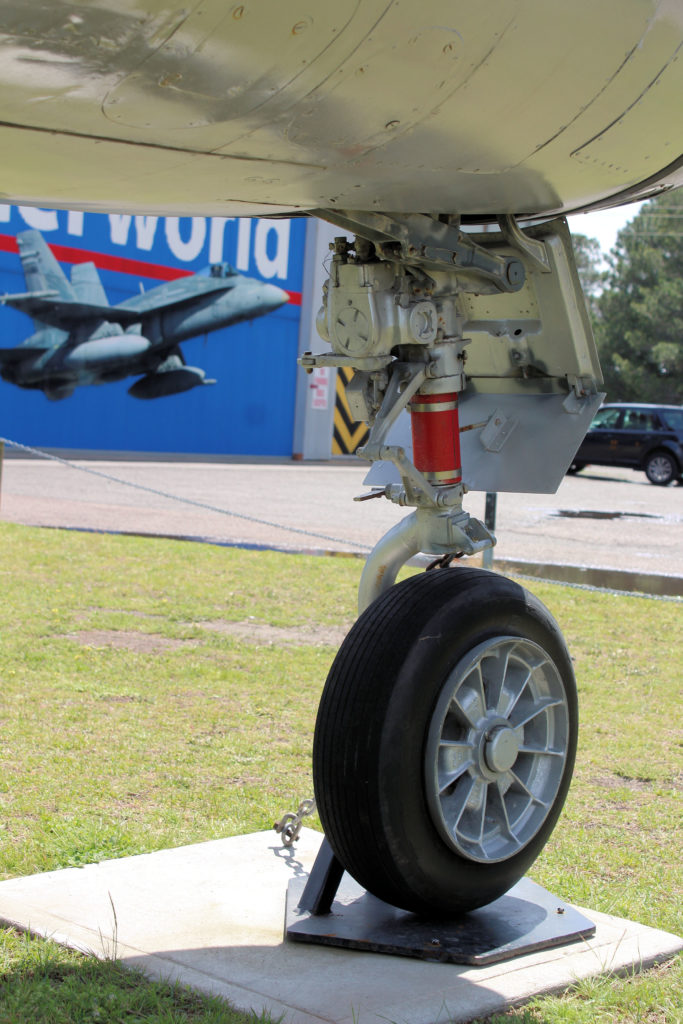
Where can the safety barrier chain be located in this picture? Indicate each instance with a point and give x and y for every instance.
(290, 824)
(186, 501)
(593, 587)
(296, 529)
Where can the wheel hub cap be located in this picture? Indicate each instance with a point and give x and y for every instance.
(502, 749)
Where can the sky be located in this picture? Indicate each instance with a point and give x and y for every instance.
(604, 224)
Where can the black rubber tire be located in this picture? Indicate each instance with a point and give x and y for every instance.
(658, 480)
(373, 719)
(575, 467)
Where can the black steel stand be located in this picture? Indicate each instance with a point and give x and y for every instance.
(330, 909)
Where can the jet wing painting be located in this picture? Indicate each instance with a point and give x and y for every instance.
(81, 339)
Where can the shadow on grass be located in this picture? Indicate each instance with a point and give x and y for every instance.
(43, 983)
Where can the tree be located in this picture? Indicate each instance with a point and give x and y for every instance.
(638, 320)
(588, 256)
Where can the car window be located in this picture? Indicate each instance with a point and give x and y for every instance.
(673, 418)
(605, 418)
(639, 419)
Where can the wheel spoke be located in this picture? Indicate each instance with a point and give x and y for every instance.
(455, 745)
(540, 751)
(525, 789)
(465, 710)
(497, 800)
(469, 702)
(539, 707)
(455, 758)
(481, 689)
(476, 812)
(519, 688)
(456, 802)
(494, 670)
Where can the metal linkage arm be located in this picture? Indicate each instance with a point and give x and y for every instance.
(418, 240)
(405, 379)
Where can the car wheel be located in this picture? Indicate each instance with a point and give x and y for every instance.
(661, 468)
(576, 467)
(445, 740)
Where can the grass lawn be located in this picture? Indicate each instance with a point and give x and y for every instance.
(157, 693)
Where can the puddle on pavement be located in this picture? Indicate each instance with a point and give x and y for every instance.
(587, 513)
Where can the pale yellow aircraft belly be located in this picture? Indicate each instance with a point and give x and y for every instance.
(527, 107)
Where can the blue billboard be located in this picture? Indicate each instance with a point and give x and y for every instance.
(250, 408)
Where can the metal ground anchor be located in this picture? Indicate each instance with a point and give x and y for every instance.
(329, 908)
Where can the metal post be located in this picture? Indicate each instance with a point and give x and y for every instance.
(315, 392)
(490, 523)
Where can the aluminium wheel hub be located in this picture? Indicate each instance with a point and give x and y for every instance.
(496, 749)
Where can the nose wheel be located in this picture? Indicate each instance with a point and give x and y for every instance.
(445, 740)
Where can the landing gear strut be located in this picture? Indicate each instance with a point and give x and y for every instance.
(447, 730)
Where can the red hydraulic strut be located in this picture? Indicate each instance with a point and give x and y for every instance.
(436, 437)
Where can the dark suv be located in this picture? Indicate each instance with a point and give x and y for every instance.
(647, 437)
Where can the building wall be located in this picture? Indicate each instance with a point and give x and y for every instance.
(249, 411)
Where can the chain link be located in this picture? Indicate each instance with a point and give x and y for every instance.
(290, 824)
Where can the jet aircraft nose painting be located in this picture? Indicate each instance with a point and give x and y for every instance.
(274, 297)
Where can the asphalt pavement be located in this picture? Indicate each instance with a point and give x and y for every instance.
(602, 517)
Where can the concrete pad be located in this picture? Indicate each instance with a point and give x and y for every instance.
(212, 916)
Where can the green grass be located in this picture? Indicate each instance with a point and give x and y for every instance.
(45, 984)
(128, 726)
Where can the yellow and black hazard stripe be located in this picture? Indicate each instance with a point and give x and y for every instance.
(348, 434)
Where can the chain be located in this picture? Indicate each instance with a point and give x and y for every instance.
(186, 501)
(289, 825)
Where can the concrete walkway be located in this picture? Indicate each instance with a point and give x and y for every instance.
(606, 518)
(211, 916)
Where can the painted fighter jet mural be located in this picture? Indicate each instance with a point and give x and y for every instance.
(80, 339)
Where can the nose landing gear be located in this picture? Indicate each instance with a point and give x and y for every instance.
(447, 729)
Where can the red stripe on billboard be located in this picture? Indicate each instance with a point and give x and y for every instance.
(119, 264)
